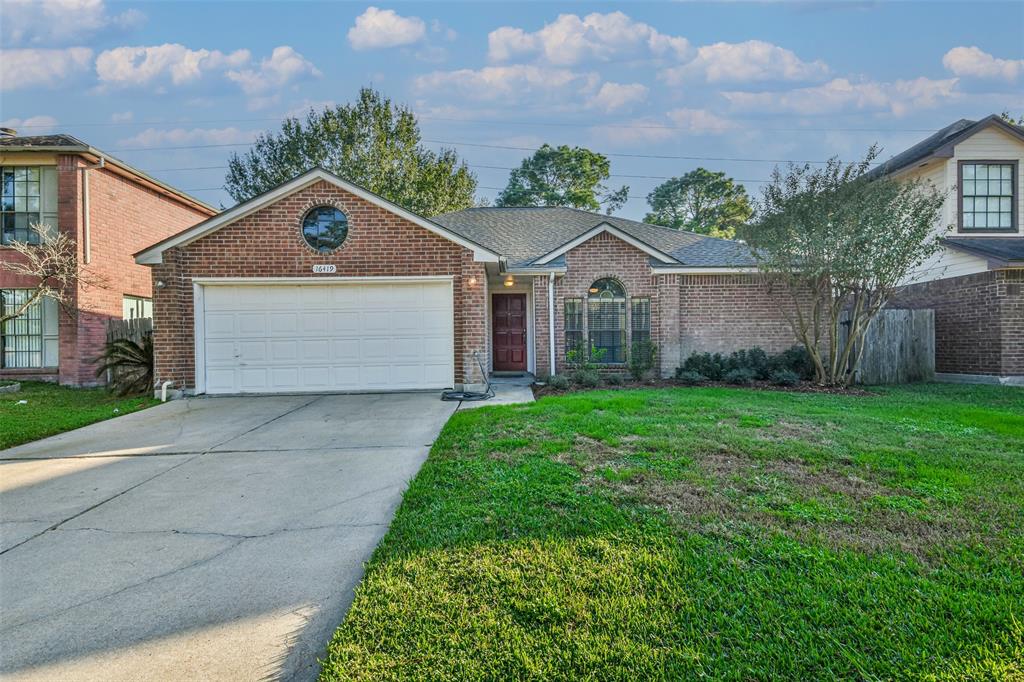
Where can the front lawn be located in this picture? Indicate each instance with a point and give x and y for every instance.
(51, 409)
(722, 533)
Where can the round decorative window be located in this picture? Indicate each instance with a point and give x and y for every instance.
(324, 228)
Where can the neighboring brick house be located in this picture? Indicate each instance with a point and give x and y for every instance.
(320, 285)
(976, 283)
(111, 210)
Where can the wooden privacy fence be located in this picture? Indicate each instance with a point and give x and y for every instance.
(899, 347)
(134, 329)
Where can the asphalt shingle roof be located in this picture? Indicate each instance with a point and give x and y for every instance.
(1010, 249)
(524, 234)
(41, 141)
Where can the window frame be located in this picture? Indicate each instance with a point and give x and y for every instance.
(48, 334)
(31, 236)
(646, 316)
(305, 238)
(1014, 196)
(623, 315)
(581, 330)
(133, 302)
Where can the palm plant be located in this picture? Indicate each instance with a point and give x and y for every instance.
(130, 364)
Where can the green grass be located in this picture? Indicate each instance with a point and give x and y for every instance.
(730, 534)
(52, 409)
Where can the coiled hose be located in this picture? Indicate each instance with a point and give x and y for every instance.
(468, 396)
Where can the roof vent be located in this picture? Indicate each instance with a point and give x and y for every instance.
(8, 132)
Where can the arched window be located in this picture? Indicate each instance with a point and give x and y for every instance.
(606, 320)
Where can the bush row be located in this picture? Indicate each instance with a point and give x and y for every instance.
(745, 366)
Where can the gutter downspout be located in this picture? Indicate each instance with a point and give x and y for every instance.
(551, 318)
(86, 232)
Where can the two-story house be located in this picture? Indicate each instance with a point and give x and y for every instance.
(110, 210)
(975, 283)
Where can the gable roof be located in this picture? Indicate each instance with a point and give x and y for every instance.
(64, 143)
(154, 254)
(527, 235)
(941, 143)
(1009, 250)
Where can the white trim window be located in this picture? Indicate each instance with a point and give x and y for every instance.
(31, 340)
(28, 196)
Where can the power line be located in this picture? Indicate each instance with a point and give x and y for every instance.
(557, 124)
(497, 146)
(471, 165)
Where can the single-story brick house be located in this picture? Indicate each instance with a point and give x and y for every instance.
(320, 285)
(975, 284)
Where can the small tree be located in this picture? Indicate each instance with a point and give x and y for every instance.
(832, 245)
(53, 263)
(700, 201)
(563, 176)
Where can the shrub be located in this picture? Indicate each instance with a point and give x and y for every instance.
(711, 366)
(740, 376)
(614, 379)
(689, 377)
(641, 359)
(754, 359)
(586, 377)
(130, 365)
(784, 377)
(558, 381)
(797, 360)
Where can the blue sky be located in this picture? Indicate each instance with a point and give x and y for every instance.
(175, 87)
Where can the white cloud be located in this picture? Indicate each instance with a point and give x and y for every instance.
(137, 66)
(753, 60)
(899, 97)
(283, 66)
(672, 125)
(972, 61)
(122, 117)
(33, 125)
(24, 68)
(152, 137)
(570, 40)
(617, 96)
(377, 28)
(506, 82)
(60, 22)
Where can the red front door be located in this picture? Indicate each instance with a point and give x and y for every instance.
(509, 332)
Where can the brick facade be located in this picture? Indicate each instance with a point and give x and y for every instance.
(125, 216)
(715, 313)
(979, 321)
(268, 243)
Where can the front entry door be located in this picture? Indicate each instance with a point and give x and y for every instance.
(509, 332)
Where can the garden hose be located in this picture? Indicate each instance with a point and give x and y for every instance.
(472, 395)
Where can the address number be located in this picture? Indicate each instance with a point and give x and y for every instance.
(323, 269)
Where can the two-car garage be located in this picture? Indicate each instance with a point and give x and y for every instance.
(306, 335)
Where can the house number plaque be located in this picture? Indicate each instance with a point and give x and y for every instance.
(324, 269)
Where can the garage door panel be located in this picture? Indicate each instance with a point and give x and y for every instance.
(318, 337)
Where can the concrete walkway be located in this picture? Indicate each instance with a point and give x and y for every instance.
(216, 538)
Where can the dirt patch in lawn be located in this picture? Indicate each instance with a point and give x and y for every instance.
(730, 493)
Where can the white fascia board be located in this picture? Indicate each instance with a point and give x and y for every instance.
(692, 270)
(153, 255)
(611, 229)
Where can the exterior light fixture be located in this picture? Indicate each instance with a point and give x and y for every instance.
(510, 282)
(160, 284)
(593, 290)
(472, 281)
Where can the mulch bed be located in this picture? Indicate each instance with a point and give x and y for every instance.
(540, 390)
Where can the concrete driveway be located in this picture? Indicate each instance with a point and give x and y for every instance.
(211, 538)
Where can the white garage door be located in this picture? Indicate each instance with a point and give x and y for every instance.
(294, 338)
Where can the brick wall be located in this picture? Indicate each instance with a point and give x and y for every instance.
(724, 313)
(979, 321)
(125, 217)
(268, 243)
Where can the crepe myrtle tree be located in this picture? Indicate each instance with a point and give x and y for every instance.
(832, 244)
(52, 261)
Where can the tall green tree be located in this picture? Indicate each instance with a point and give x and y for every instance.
(1010, 118)
(700, 201)
(372, 142)
(833, 245)
(563, 176)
